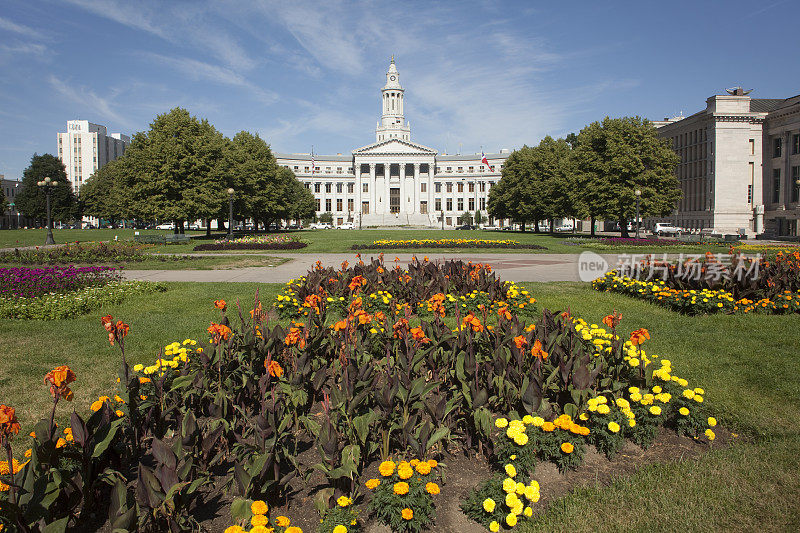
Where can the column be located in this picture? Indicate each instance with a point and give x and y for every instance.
(372, 185)
(357, 172)
(415, 198)
(387, 178)
(403, 190)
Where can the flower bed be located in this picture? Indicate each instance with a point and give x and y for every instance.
(261, 242)
(706, 285)
(89, 252)
(445, 243)
(58, 305)
(610, 243)
(346, 394)
(26, 282)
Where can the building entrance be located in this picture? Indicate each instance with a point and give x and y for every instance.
(394, 200)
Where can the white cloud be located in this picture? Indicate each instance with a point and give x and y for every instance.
(86, 100)
(20, 29)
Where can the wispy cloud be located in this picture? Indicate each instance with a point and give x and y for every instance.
(85, 100)
(20, 29)
(25, 48)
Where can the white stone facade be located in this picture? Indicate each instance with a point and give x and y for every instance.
(727, 171)
(85, 147)
(395, 181)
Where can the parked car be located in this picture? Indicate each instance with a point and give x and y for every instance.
(165, 226)
(491, 228)
(346, 225)
(320, 225)
(564, 227)
(663, 228)
(194, 226)
(466, 226)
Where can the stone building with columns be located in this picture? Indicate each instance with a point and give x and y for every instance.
(394, 181)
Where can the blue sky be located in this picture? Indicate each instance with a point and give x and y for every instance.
(491, 74)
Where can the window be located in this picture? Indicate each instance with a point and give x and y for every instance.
(319, 206)
(448, 221)
(460, 187)
(423, 187)
(350, 187)
(438, 204)
(328, 205)
(482, 186)
(471, 186)
(423, 207)
(471, 169)
(296, 167)
(339, 188)
(449, 187)
(328, 169)
(752, 146)
(749, 194)
(305, 169)
(365, 187)
(339, 204)
(316, 187)
(328, 188)
(776, 185)
(449, 169)
(449, 204)
(483, 204)
(472, 204)
(795, 186)
(437, 187)
(365, 208)
(350, 204)
(460, 204)
(461, 169)
(776, 146)
(795, 144)
(338, 170)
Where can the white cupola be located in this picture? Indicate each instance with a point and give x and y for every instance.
(392, 124)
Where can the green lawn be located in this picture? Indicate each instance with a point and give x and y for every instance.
(188, 262)
(341, 241)
(749, 366)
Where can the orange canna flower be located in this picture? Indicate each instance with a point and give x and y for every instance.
(220, 304)
(502, 312)
(273, 368)
(472, 321)
(295, 336)
(520, 341)
(419, 335)
(340, 325)
(108, 323)
(356, 283)
(219, 332)
(345, 264)
(537, 351)
(122, 329)
(639, 336)
(612, 320)
(60, 375)
(381, 270)
(9, 425)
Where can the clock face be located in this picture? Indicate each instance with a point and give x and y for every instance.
(392, 78)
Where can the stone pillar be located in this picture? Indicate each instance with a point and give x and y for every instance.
(415, 198)
(403, 190)
(372, 186)
(387, 185)
(357, 207)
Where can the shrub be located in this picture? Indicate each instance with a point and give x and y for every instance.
(445, 243)
(263, 242)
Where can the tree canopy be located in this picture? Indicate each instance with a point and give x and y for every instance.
(101, 195)
(31, 200)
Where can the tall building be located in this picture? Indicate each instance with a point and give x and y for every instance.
(736, 170)
(395, 181)
(85, 147)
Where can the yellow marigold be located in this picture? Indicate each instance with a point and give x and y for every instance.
(433, 463)
(488, 505)
(372, 483)
(567, 447)
(520, 439)
(511, 519)
(423, 468)
(386, 468)
(684, 411)
(401, 488)
(655, 410)
(432, 488)
(538, 421)
(407, 514)
(532, 494)
(344, 501)
(710, 434)
(510, 470)
(258, 520)
(259, 507)
(509, 485)
(293, 529)
(283, 521)
(613, 427)
(511, 499)
(501, 422)
(528, 512)
(234, 529)
(494, 527)
(340, 529)
(712, 421)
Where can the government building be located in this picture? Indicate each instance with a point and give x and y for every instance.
(739, 168)
(394, 181)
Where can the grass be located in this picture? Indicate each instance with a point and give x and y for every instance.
(341, 241)
(749, 366)
(224, 262)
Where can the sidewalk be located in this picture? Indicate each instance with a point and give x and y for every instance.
(512, 267)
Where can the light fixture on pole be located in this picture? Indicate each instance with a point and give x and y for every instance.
(230, 212)
(638, 195)
(48, 185)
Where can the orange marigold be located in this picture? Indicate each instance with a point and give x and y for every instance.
(400, 488)
(407, 514)
(432, 488)
(372, 483)
(283, 521)
(567, 447)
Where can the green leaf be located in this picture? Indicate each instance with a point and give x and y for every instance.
(59, 526)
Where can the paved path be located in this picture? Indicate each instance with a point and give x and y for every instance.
(515, 267)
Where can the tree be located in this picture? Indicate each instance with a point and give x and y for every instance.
(552, 170)
(299, 200)
(31, 200)
(102, 195)
(615, 157)
(174, 171)
(3, 202)
(478, 217)
(326, 217)
(465, 218)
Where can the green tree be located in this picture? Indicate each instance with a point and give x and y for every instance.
(175, 170)
(615, 157)
(326, 218)
(299, 200)
(3, 202)
(465, 218)
(31, 200)
(517, 196)
(102, 195)
(478, 217)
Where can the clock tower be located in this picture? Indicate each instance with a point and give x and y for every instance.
(393, 124)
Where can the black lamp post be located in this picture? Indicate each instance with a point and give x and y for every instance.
(230, 212)
(638, 195)
(48, 186)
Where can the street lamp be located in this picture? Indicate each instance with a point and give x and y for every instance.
(48, 186)
(638, 195)
(230, 212)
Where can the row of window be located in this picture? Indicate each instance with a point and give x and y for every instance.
(341, 170)
(777, 145)
(776, 185)
(483, 186)
(423, 205)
